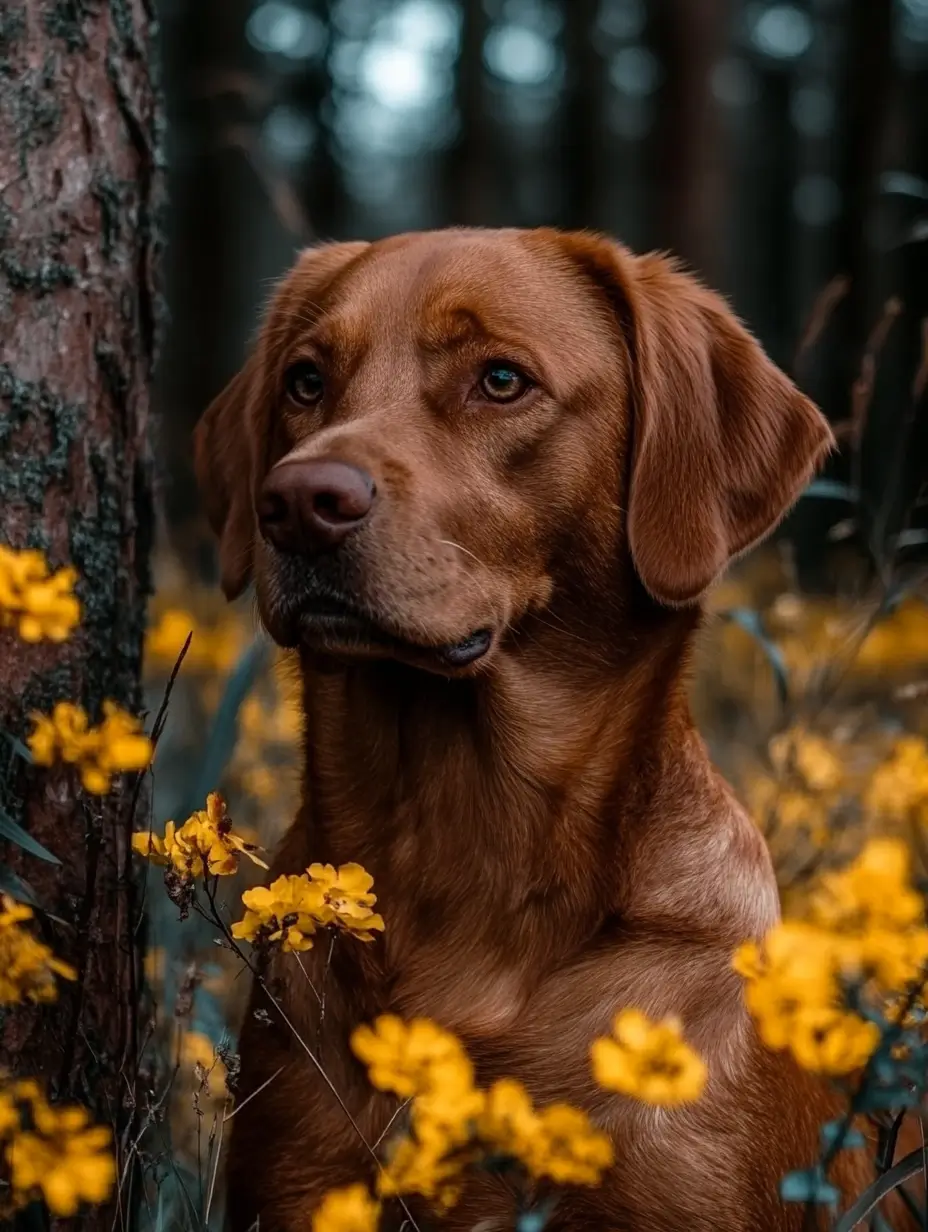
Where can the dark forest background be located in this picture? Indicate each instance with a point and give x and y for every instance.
(781, 149)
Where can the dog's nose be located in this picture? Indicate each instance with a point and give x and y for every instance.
(312, 504)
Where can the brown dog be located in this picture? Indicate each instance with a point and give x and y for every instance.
(482, 480)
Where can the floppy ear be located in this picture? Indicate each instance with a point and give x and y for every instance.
(225, 441)
(723, 443)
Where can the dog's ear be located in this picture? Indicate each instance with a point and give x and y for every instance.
(723, 442)
(226, 441)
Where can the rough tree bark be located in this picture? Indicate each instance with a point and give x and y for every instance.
(80, 316)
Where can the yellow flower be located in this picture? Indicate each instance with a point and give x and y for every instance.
(348, 897)
(199, 1057)
(116, 746)
(213, 648)
(64, 734)
(62, 1157)
(891, 958)
(155, 959)
(285, 913)
(558, 1141)
(812, 757)
(205, 843)
(27, 967)
(260, 782)
(873, 892)
(454, 1124)
(649, 1060)
(793, 971)
(40, 604)
(411, 1058)
(900, 786)
(508, 1122)
(832, 1041)
(351, 1209)
(567, 1148)
(291, 910)
(422, 1168)
(865, 927)
(443, 1116)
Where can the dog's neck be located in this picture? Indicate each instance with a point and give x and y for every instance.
(474, 800)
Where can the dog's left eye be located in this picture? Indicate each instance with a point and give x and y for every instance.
(503, 383)
(303, 382)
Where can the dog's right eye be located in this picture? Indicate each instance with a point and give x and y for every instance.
(304, 384)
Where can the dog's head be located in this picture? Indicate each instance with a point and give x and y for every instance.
(437, 434)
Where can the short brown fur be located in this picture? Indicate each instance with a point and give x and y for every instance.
(548, 838)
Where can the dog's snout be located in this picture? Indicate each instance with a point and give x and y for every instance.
(311, 505)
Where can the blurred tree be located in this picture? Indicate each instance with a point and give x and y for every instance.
(215, 93)
(863, 106)
(687, 147)
(81, 225)
(582, 163)
(865, 84)
(467, 166)
(321, 182)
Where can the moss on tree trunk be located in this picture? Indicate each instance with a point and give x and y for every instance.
(80, 316)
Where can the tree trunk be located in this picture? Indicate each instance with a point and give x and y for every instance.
(80, 317)
(582, 137)
(688, 37)
(467, 168)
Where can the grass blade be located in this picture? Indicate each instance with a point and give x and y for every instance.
(13, 832)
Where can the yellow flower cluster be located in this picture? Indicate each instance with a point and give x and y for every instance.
(865, 927)
(52, 1151)
(288, 912)
(898, 789)
(213, 648)
(116, 745)
(268, 731)
(204, 844)
(557, 1141)
(454, 1123)
(807, 790)
(27, 966)
(40, 604)
(350, 1209)
(650, 1061)
(898, 642)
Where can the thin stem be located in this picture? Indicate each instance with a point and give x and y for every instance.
(325, 976)
(317, 1065)
(257, 1091)
(212, 1183)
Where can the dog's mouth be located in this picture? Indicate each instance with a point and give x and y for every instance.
(336, 625)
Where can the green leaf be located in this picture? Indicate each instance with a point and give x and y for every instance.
(903, 1171)
(13, 885)
(751, 622)
(831, 489)
(13, 832)
(18, 747)
(808, 1186)
(833, 1131)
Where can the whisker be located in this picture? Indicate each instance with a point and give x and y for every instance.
(466, 551)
